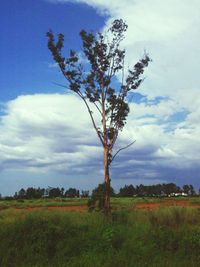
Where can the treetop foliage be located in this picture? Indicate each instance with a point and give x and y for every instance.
(95, 85)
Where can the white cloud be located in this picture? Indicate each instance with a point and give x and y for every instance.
(46, 131)
(53, 132)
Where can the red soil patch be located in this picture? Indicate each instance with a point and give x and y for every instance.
(166, 203)
(72, 208)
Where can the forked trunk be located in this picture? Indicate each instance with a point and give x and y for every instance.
(107, 207)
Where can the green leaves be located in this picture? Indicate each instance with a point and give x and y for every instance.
(56, 48)
(95, 82)
(133, 79)
(118, 27)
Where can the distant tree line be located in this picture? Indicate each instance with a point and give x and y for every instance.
(141, 190)
(156, 190)
(50, 192)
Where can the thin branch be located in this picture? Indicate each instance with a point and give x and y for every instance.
(61, 85)
(121, 150)
(110, 72)
(123, 73)
(89, 111)
(91, 116)
(97, 108)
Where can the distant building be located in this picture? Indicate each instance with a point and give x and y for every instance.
(182, 194)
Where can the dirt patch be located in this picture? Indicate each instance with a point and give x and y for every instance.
(72, 208)
(167, 203)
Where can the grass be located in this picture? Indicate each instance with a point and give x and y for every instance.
(129, 202)
(122, 203)
(47, 202)
(194, 200)
(166, 237)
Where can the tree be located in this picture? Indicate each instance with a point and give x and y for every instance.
(85, 193)
(127, 191)
(55, 192)
(186, 189)
(34, 192)
(95, 84)
(72, 192)
(22, 193)
(171, 188)
(192, 191)
(62, 191)
(30, 192)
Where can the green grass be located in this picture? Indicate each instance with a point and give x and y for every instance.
(194, 200)
(47, 202)
(129, 202)
(123, 203)
(165, 237)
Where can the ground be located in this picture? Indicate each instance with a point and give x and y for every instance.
(117, 203)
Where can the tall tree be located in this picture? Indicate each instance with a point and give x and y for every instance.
(96, 85)
(127, 191)
(192, 191)
(186, 189)
(72, 192)
(22, 193)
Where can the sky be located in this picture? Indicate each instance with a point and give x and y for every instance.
(46, 137)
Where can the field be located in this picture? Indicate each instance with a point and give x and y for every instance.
(61, 232)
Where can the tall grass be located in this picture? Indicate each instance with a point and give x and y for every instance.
(163, 238)
(46, 202)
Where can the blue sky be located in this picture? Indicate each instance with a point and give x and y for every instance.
(24, 54)
(46, 138)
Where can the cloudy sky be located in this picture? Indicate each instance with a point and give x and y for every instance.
(46, 138)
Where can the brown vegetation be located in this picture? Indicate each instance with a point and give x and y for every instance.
(166, 203)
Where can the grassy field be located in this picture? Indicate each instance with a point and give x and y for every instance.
(165, 237)
(46, 202)
(117, 203)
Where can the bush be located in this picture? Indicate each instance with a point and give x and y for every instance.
(96, 202)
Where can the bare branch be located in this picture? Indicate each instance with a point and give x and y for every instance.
(59, 84)
(91, 116)
(123, 73)
(97, 108)
(121, 150)
(89, 111)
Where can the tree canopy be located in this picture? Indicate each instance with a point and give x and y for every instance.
(94, 83)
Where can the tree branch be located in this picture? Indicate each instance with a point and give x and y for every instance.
(91, 116)
(97, 108)
(121, 150)
(61, 85)
(89, 111)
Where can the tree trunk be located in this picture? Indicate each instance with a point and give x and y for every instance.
(107, 207)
